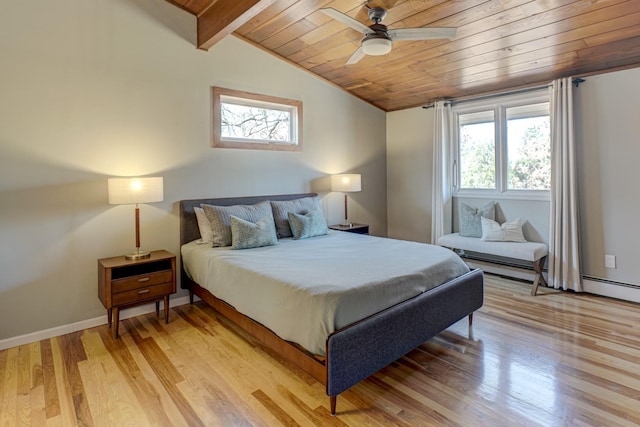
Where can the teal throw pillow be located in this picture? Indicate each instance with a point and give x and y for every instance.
(246, 234)
(306, 225)
(470, 225)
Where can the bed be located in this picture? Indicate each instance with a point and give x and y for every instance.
(345, 346)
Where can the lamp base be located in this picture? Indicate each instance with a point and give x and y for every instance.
(138, 255)
(346, 224)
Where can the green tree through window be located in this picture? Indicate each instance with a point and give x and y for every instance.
(503, 145)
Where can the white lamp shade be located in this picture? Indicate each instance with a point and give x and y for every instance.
(346, 183)
(126, 191)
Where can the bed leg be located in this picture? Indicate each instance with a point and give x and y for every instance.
(190, 296)
(470, 319)
(332, 403)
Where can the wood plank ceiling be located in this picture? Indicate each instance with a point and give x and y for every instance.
(500, 44)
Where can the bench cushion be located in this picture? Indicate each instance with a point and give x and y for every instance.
(528, 251)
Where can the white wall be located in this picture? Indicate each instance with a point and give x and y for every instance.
(608, 152)
(608, 149)
(100, 88)
(409, 164)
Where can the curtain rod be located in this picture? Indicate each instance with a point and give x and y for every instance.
(576, 81)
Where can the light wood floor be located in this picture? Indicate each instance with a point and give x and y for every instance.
(553, 360)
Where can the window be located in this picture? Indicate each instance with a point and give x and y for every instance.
(254, 121)
(503, 147)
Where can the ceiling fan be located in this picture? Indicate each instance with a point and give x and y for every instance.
(378, 39)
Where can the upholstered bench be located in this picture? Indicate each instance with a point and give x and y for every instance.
(534, 252)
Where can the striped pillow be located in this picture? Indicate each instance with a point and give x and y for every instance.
(281, 209)
(220, 219)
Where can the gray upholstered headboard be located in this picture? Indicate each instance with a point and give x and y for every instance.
(189, 225)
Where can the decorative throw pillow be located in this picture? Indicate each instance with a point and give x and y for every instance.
(220, 219)
(281, 209)
(307, 225)
(470, 218)
(206, 236)
(246, 234)
(510, 231)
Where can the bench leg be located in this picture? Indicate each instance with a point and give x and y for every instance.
(537, 266)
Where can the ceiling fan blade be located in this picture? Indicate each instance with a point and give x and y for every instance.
(346, 19)
(357, 56)
(422, 33)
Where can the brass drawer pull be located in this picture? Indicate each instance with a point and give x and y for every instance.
(144, 279)
(144, 291)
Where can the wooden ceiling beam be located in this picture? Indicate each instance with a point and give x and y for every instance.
(224, 17)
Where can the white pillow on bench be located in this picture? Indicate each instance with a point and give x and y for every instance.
(509, 231)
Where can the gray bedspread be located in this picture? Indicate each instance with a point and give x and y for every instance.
(305, 289)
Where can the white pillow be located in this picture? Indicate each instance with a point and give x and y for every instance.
(206, 235)
(510, 231)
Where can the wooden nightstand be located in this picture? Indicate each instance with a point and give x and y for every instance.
(355, 228)
(124, 283)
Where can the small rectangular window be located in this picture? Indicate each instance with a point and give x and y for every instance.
(254, 121)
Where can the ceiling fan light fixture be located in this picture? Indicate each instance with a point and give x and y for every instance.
(376, 46)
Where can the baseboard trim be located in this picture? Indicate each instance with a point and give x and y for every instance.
(83, 324)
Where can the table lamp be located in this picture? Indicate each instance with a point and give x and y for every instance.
(346, 183)
(128, 191)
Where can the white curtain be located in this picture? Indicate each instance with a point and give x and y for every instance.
(441, 193)
(564, 243)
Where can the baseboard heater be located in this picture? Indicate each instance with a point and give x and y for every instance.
(610, 282)
(506, 262)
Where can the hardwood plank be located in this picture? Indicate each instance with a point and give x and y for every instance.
(38, 415)
(155, 401)
(109, 396)
(3, 369)
(24, 385)
(166, 372)
(8, 403)
(52, 405)
(72, 354)
(559, 358)
(67, 411)
(239, 374)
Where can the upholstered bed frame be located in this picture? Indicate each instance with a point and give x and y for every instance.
(361, 349)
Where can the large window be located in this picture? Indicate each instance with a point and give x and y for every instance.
(503, 147)
(254, 121)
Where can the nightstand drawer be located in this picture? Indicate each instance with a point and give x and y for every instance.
(128, 297)
(141, 281)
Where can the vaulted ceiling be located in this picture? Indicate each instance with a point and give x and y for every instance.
(499, 44)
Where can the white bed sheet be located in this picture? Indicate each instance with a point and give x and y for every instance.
(303, 290)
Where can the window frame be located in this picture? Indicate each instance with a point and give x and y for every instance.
(261, 101)
(499, 105)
